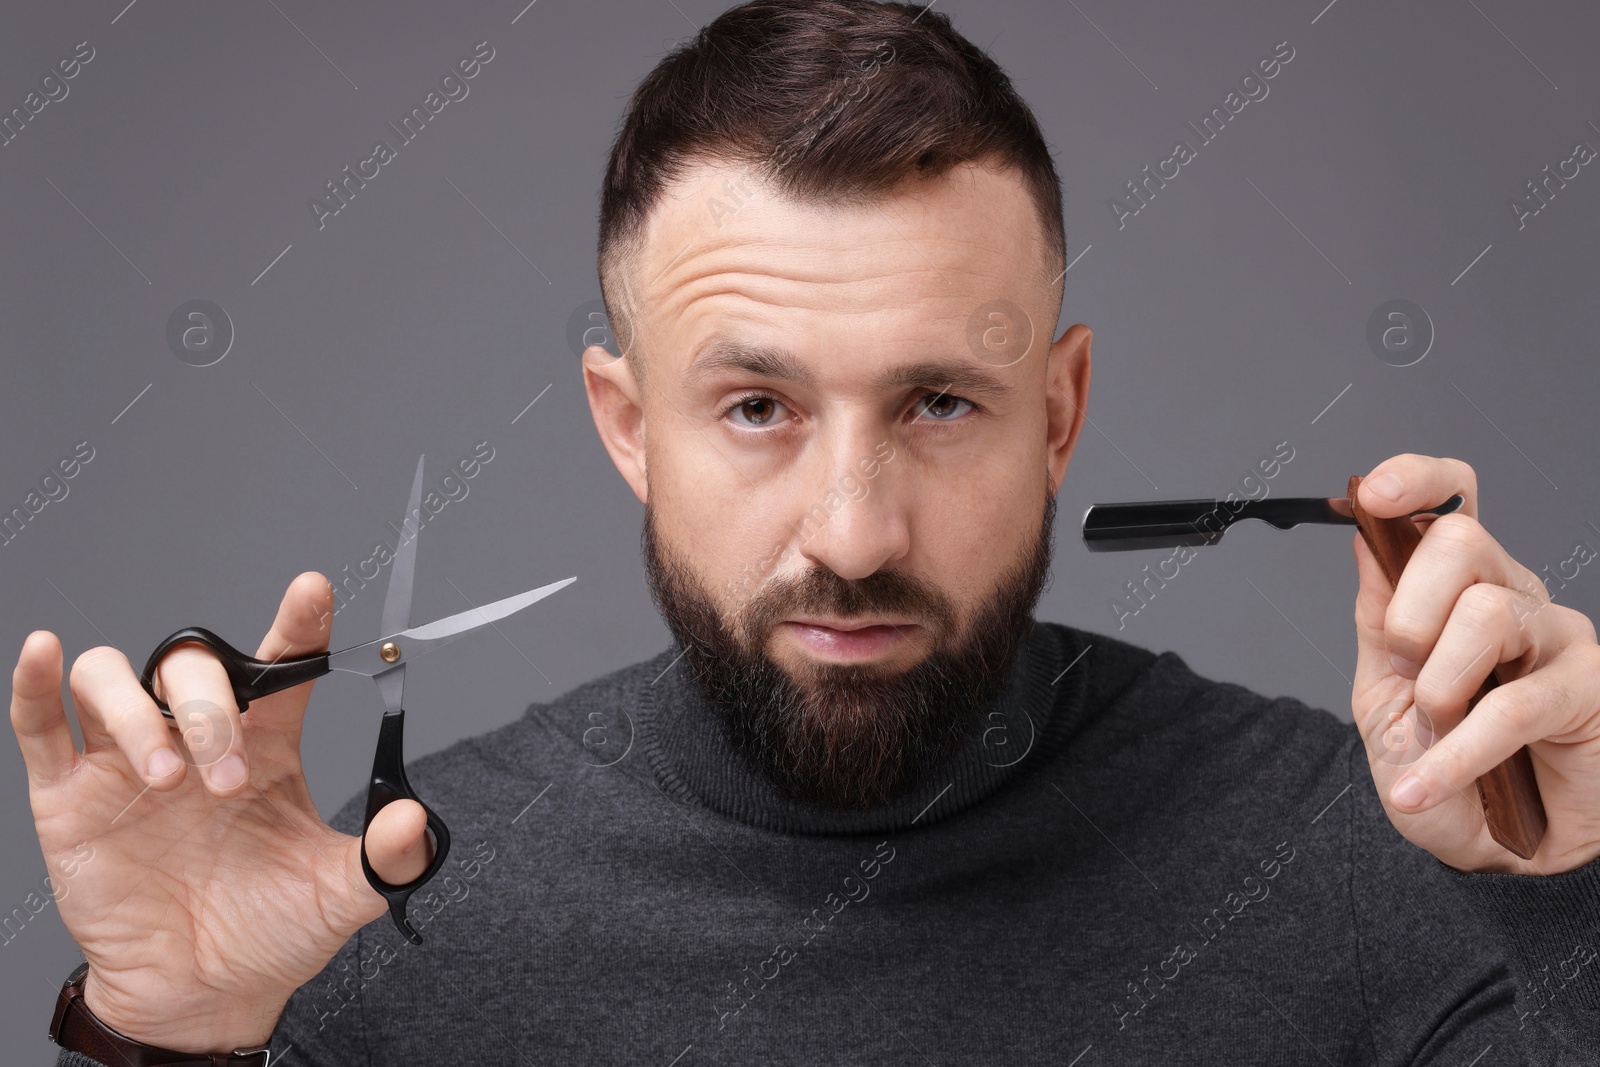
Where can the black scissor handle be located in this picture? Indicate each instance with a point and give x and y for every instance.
(389, 784)
(250, 677)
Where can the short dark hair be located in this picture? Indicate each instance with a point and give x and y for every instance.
(832, 100)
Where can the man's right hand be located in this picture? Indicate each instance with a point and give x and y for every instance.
(191, 867)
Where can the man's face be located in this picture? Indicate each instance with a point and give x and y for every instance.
(848, 465)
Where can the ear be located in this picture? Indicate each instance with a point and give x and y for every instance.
(1067, 372)
(617, 405)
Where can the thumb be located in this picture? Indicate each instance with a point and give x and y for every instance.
(303, 625)
(399, 849)
(1372, 602)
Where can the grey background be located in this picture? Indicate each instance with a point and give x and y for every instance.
(1228, 315)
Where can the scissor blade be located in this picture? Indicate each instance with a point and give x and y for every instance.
(466, 621)
(402, 573)
(367, 658)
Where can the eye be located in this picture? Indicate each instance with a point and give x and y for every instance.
(942, 407)
(760, 409)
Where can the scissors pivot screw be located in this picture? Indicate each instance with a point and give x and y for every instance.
(389, 651)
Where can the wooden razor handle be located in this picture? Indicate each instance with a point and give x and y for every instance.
(1512, 806)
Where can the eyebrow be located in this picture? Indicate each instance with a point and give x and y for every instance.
(950, 375)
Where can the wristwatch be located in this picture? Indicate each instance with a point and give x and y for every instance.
(75, 1028)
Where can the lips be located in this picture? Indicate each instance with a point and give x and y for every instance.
(847, 626)
(850, 640)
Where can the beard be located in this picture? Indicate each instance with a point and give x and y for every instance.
(848, 736)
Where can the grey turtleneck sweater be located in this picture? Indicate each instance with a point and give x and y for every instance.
(1126, 864)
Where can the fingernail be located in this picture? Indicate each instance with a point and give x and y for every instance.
(1410, 792)
(228, 772)
(163, 762)
(1387, 486)
(1404, 667)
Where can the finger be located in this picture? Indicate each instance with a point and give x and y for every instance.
(123, 716)
(1545, 704)
(1455, 553)
(1409, 482)
(37, 714)
(1373, 594)
(303, 625)
(1484, 630)
(211, 734)
(1395, 729)
(90, 674)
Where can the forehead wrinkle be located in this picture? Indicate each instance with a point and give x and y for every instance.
(784, 261)
(819, 265)
(778, 286)
(727, 350)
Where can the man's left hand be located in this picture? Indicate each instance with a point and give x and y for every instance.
(1462, 607)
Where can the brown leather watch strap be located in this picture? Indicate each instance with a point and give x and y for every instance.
(75, 1028)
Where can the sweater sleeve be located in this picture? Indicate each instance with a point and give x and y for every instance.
(1463, 968)
(1549, 929)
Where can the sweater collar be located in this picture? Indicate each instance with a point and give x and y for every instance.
(1039, 705)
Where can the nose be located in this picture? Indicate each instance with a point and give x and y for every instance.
(854, 521)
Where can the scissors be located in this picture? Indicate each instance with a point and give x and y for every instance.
(384, 661)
